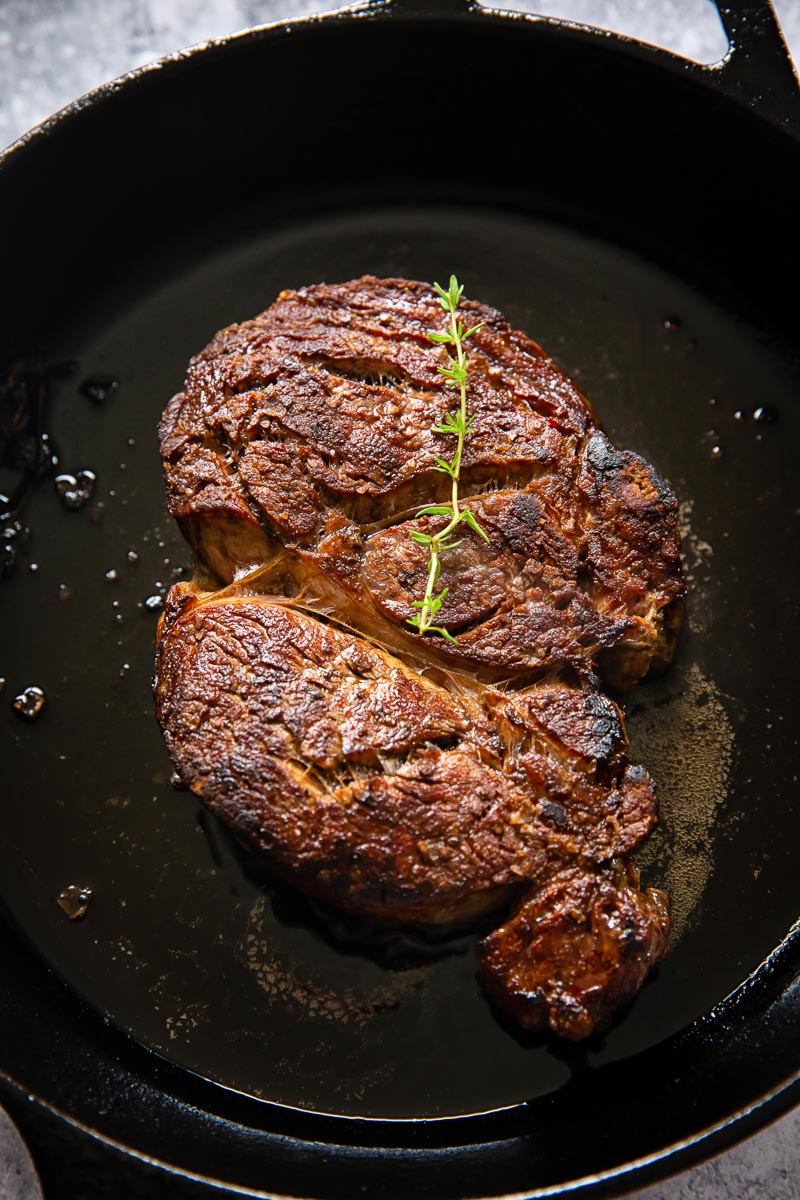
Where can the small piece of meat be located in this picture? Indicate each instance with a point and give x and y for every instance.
(575, 951)
(398, 776)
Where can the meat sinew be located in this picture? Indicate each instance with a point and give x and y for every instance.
(419, 779)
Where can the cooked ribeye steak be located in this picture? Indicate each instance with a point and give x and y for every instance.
(375, 787)
(308, 430)
(400, 776)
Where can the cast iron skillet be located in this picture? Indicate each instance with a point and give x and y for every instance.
(637, 215)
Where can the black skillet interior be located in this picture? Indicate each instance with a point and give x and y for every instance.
(643, 229)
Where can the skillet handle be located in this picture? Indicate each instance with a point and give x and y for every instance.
(758, 70)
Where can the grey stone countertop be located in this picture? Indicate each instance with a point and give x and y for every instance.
(52, 51)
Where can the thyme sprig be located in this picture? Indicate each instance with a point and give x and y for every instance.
(456, 424)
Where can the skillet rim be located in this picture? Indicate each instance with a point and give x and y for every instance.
(713, 77)
(679, 1156)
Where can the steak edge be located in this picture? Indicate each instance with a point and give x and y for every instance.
(387, 774)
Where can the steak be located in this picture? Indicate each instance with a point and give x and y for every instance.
(411, 778)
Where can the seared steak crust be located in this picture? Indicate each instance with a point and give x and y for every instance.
(376, 788)
(575, 952)
(308, 429)
(393, 775)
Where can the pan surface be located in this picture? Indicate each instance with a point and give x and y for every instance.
(653, 298)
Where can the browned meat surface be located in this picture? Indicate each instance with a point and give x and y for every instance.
(376, 788)
(575, 951)
(393, 775)
(308, 429)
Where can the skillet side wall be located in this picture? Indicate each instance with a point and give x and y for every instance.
(548, 122)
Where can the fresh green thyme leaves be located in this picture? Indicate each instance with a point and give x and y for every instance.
(456, 424)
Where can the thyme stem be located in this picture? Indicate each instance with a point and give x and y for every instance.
(459, 424)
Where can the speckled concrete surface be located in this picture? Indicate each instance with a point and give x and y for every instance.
(765, 1167)
(52, 51)
(18, 1179)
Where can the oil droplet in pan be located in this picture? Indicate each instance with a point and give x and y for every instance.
(28, 704)
(13, 535)
(74, 901)
(75, 491)
(99, 388)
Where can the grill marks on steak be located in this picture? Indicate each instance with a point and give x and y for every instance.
(399, 776)
(518, 602)
(309, 428)
(380, 790)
